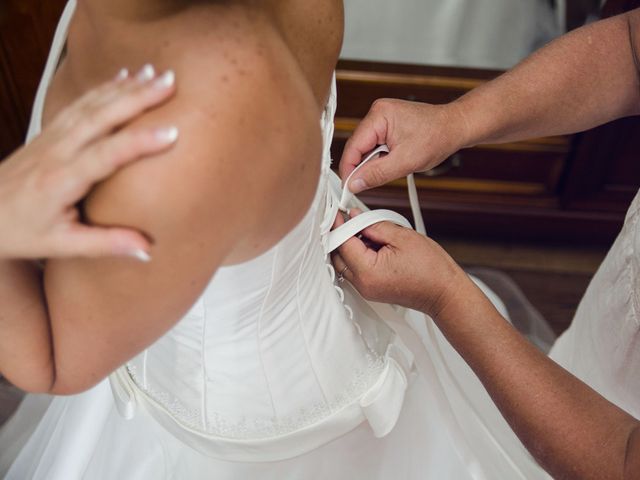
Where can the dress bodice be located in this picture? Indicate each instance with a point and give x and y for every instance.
(269, 346)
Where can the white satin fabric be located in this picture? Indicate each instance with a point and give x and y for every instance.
(276, 372)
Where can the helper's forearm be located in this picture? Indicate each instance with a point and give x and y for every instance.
(583, 79)
(569, 428)
(26, 355)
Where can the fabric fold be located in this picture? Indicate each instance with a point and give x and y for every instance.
(382, 404)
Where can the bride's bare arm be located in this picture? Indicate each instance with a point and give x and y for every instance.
(242, 174)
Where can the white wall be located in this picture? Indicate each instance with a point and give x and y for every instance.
(475, 33)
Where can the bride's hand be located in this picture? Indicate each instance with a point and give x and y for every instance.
(41, 183)
(393, 264)
(420, 136)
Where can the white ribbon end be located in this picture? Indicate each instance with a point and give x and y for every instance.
(383, 403)
(123, 395)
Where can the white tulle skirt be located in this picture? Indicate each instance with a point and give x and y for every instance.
(84, 437)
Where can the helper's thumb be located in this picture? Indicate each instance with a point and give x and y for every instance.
(377, 172)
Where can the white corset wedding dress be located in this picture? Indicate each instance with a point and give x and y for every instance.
(277, 372)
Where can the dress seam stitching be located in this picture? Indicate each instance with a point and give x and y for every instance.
(259, 328)
(205, 420)
(302, 331)
(629, 248)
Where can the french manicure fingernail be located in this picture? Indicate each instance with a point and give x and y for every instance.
(166, 80)
(141, 255)
(357, 185)
(167, 135)
(146, 73)
(122, 75)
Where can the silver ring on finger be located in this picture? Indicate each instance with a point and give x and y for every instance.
(341, 274)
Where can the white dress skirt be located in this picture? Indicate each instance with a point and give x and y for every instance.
(278, 371)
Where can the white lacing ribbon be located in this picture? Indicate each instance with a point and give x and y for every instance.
(358, 223)
(348, 229)
(347, 196)
(124, 393)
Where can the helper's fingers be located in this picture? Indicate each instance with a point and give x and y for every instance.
(379, 171)
(117, 104)
(383, 233)
(354, 245)
(371, 132)
(356, 255)
(357, 250)
(339, 220)
(103, 158)
(85, 241)
(386, 233)
(342, 268)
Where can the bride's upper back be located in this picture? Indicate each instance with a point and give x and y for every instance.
(105, 35)
(214, 46)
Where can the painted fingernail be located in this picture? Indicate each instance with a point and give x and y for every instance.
(140, 255)
(146, 73)
(166, 80)
(357, 185)
(122, 75)
(167, 135)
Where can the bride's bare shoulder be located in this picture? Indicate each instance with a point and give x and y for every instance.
(249, 131)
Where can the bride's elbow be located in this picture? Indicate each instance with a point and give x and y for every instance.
(36, 379)
(632, 455)
(72, 384)
(49, 379)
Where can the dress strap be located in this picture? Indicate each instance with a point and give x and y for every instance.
(57, 47)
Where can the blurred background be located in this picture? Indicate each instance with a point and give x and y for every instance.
(479, 33)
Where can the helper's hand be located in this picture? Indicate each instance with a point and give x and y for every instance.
(397, 265)
(42, 182)
(420, 136)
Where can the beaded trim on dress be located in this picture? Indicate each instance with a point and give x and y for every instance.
(221, 425)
